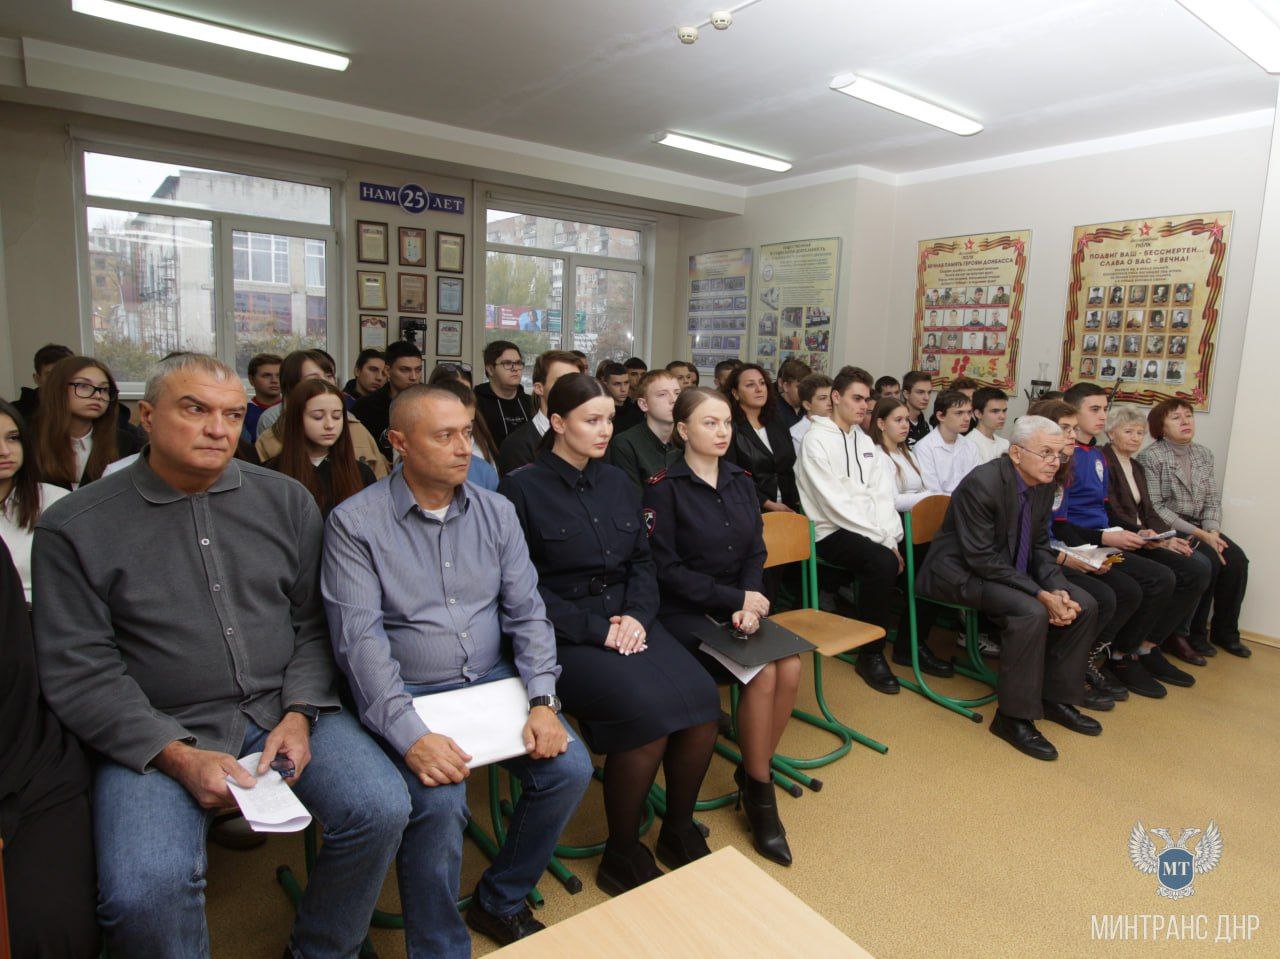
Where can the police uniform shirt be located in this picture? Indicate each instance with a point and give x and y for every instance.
(640, 454)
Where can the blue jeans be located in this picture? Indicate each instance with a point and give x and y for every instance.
(150, 838)
(429, 866)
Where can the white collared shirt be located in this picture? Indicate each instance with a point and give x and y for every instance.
(988, 449)
(943, 465)
(541, 423)
(83, 447)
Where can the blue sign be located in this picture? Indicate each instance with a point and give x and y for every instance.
(412, 198)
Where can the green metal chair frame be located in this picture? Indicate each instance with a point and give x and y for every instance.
(975, 668)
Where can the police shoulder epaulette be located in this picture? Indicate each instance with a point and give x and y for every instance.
(658, 476)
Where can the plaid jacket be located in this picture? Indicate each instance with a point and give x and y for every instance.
(1200, 503)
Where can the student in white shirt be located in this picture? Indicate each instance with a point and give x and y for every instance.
(990, 409)
(815, 400)
(944, 457)
(844, 490)
(22, 497)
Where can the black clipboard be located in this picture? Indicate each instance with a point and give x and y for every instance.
(769, 643)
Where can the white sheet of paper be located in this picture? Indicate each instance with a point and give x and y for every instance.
(743, 674)
(270, 806)
(486, 721)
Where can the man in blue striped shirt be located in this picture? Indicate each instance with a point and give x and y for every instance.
(426, 579)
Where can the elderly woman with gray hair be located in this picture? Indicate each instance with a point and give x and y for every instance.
(1130, 506)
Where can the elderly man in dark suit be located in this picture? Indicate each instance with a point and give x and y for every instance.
(993, 553)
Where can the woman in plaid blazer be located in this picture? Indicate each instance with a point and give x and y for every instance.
(1184, 491)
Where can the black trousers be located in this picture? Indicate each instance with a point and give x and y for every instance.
(876, 569)
(1153, 620)
(1192, 577)
(1225, 594)
(1037, 661)
(51, 884)
(1117, 597)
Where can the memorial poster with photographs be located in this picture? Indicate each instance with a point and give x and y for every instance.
(1143, 307)
(968, 311)
(795, 303)
(719, 307)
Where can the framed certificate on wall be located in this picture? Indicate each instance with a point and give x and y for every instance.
(449, 295)
(450, 252)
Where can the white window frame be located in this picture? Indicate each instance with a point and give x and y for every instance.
(566, 208)
(223, 225)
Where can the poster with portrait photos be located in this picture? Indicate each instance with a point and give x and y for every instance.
(968, 311)
(719, 307)
(1144, 303)
(795, 303)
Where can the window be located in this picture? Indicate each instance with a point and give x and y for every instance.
(530, 256)
(192, 257)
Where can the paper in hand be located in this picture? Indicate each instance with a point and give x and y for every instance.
(270, 806)
(743, 674)
(486, 721)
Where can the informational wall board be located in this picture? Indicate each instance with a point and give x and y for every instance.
(719, 307)
(795, 303)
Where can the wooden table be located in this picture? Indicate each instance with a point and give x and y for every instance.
(721, 905)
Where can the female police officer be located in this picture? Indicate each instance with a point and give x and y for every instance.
(708, 544)
(639, 697)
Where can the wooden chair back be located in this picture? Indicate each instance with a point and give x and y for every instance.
(786, 538)
(926, 517)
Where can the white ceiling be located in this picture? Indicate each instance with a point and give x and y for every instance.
(601, 76)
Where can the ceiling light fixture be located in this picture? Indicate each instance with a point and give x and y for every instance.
(150, 19)
(1243, 25)
(720, 151)
(869, 91)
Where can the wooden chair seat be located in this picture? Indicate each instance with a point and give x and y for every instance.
(832, 634)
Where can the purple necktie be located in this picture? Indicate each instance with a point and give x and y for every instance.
(1024, 532)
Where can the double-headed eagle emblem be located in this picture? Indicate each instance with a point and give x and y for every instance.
(1175, 867)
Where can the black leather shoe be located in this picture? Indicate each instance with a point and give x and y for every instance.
(1234, 646)
(1178, 646)
(1104, 683)
(760, 802)
(1202, 646)
(1023, 736)
(1130, 672)
(680, 846)
(621, 871)
(875, 672)
(503, 930)
(929, 663)
(1064, 714)
(1163, 670)
(1098, 700)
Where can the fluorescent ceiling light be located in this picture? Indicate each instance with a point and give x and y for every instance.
(1243, 25)
(722, 152)
(208, 32)
(878, 94)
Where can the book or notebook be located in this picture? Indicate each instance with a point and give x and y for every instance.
(767, 644)
(269, 806)
(486, 721)
(1095, 557)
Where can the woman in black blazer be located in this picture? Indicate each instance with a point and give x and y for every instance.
(761, 441)
(77, 426)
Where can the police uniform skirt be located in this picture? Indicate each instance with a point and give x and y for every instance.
(622, 702)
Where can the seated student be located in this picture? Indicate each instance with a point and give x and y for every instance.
(1185, 493)
(1129, 506)
(370, 374)
(708, 546)
(635, 368)
(889, 426)
(990, 410)
(315, 446)
(685, 372)
(886, 387)
(46, 358)
(945, 457)
(638, 695)
(961, 384)
(722, 371)
(502, 401)
(264, 377)
(297, 366)
(615, 379)
(521, 447)
(169, 678)
(815, 400)
(77, 430)
(761, 441)
(646, 449)
(844, 491)
(393, 553)
(917, 385)
(22, 496)
(993, 553)
(790, 373)
(482, 473)
(405, 368)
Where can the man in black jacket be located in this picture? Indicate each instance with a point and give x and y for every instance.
(521, 447)
(993, 553)
(502, 401)
(404, 369)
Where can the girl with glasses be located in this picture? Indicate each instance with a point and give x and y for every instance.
(77, 427)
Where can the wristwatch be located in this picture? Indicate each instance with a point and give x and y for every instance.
(311, 712)
(551, 701)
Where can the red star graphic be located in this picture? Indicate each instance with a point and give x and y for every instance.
(1146, 228)
(968, 244)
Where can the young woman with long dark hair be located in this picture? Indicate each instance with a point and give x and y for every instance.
(22, 496)
(761, 440)
(77, 427)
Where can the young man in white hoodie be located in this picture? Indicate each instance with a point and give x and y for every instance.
(845, 490)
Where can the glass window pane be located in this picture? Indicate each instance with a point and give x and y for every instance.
(126, 178)
(523, 303)
(604, 324)
(278, 307)
(152, 288)
(550, 233)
